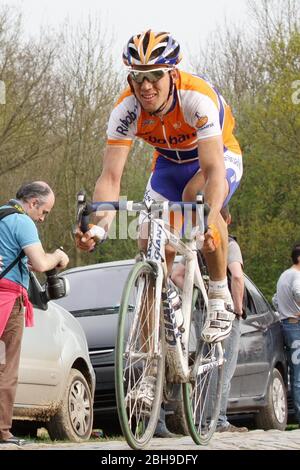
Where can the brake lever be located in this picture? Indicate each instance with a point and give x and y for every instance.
(203, 210)
(82, 213)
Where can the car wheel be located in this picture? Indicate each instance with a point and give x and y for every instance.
(274, 414)
(74, 419)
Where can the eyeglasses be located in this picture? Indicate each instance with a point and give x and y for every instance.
(150, 75)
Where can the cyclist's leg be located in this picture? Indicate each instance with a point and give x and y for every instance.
(220, 316)
(220, 308)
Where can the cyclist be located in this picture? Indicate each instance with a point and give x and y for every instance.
(190, 126)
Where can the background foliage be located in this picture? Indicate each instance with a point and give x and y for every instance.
(256, 67)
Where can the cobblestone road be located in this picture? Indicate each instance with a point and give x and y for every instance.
(253, 440)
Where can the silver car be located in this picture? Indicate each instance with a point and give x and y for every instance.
(56, 379)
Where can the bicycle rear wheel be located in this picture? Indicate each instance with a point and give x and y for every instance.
(139, 368)
(202, 395)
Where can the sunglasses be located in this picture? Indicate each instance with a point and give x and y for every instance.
(151, 75)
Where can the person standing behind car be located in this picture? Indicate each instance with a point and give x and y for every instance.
(231, 344)
(288, 305)
(20, 243)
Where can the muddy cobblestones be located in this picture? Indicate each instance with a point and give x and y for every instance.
(253, 440)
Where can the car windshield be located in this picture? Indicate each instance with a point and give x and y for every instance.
(95, 291)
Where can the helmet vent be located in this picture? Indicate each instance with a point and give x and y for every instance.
(134, 53)
(146, 41)
(157, 52)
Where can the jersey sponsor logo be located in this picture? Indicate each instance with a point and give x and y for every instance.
(128, 119)
(202, 121)
(177, 125)
(235, 160)
(207, 127)
(172, 140)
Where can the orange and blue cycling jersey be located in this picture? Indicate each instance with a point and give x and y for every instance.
(198, 112)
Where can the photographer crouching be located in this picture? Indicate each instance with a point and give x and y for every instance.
(20, 248)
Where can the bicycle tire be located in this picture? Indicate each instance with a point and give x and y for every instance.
(136, 359)
(202, 394)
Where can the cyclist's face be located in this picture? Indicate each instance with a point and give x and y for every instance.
(152, 95)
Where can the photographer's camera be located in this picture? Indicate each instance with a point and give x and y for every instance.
(56, 286)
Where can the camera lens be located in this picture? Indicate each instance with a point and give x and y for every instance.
(55, 286)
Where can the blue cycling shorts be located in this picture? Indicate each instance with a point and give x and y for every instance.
(168, 180)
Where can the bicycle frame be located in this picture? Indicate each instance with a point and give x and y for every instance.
(159, 237)
(140, 362)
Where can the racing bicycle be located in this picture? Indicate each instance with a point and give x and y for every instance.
(152, 351)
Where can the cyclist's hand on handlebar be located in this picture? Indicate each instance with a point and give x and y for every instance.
(64, 259)
(84, 241)
(212, 239)
(87, 241)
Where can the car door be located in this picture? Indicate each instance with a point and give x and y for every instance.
(40, 363)
(94, 299)
(255, 342)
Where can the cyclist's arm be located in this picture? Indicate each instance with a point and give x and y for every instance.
(107, 188)
(109, 182)
(211, 157)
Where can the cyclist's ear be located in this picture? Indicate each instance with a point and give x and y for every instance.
(174, 74)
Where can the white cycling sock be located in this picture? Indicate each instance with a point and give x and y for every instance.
(218, 289)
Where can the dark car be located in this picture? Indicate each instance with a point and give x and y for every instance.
(259, 384)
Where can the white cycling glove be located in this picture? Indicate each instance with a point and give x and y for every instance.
(98, 233)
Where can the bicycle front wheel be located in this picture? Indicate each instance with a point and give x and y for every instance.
(202, 395)
(139, 367)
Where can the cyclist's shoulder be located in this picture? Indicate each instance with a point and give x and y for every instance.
(194, 82)
(195, 89)
(126, 109)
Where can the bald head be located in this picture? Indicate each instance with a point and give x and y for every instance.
(37, 199)
(36, 189)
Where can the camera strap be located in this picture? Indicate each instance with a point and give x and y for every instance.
(4, 212)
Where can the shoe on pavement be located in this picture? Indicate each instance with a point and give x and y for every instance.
(165, 433)
(232, 428)
(14, 440)
(219, 320)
